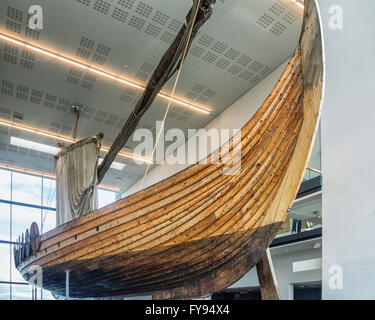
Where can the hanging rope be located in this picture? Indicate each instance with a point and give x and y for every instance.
(169, 64)
(77, 111)
(173, 91)
(49, 200)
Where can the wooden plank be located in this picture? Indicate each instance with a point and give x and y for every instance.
(80, 238)
(198, 231)
(267, 279)
(157, 259)
(179, 178)
(265, 140)
(61, 245)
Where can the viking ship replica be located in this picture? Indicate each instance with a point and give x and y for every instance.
(198, 231)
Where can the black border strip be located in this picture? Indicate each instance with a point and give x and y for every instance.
(297, 237)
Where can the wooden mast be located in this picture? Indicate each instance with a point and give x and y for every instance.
(169, 64)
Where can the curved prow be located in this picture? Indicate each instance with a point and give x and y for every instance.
(312, 79)
(198, 231)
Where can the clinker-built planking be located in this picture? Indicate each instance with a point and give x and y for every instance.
(199, 231)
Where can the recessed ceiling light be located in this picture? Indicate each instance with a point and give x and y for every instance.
(115, 165)
(33, 145)
(52, 135)
(298, 3)
(47, 175)
(51, 150)
(63, 58)
(317, 245)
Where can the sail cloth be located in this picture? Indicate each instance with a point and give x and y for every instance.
(76, 179)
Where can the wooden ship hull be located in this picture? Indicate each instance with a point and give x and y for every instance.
(199, 231)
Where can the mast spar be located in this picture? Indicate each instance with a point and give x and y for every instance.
(200, 12)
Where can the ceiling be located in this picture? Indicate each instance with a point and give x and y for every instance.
(308, 208)
(241, 43)
(315, 243)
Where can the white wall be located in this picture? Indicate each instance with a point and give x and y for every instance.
(234, 117)
(348, 152)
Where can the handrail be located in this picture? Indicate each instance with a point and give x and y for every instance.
(314, 170)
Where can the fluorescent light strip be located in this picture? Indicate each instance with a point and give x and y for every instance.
(129, 155)
(298, 3)
(18, 142)
(102, 73)
(37, 131)
(47, 175)
(33, 145)
(115, 165)
(69, 140)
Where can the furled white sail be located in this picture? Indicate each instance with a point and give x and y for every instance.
(76, 179)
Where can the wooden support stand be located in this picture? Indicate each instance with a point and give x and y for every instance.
(267, 280)
(67, 288)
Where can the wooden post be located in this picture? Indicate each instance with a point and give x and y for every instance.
(267, 279)
(67, 284)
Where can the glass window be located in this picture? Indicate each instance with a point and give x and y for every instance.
(4, 222)
(105, 197)
(310, 174)
(5, 184)
(16, 275)
(49, 193)
(4, 262)
(49, 221)
(21, 292)
(47, 295)
(22, 218)
(26, 188)
(4, 291)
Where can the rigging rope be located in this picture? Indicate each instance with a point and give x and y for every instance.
(173, 91)
(49, 201)
(168, 65)
(74, 137)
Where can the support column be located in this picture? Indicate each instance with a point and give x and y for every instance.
(348, 152)
(267, 279)
(67, 274)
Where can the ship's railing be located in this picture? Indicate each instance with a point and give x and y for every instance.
(292, 225)
(311, 173)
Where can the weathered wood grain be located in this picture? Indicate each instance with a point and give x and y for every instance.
(267, 281)
(198, 231)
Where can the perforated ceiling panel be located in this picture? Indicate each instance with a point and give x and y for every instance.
(242, 43)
